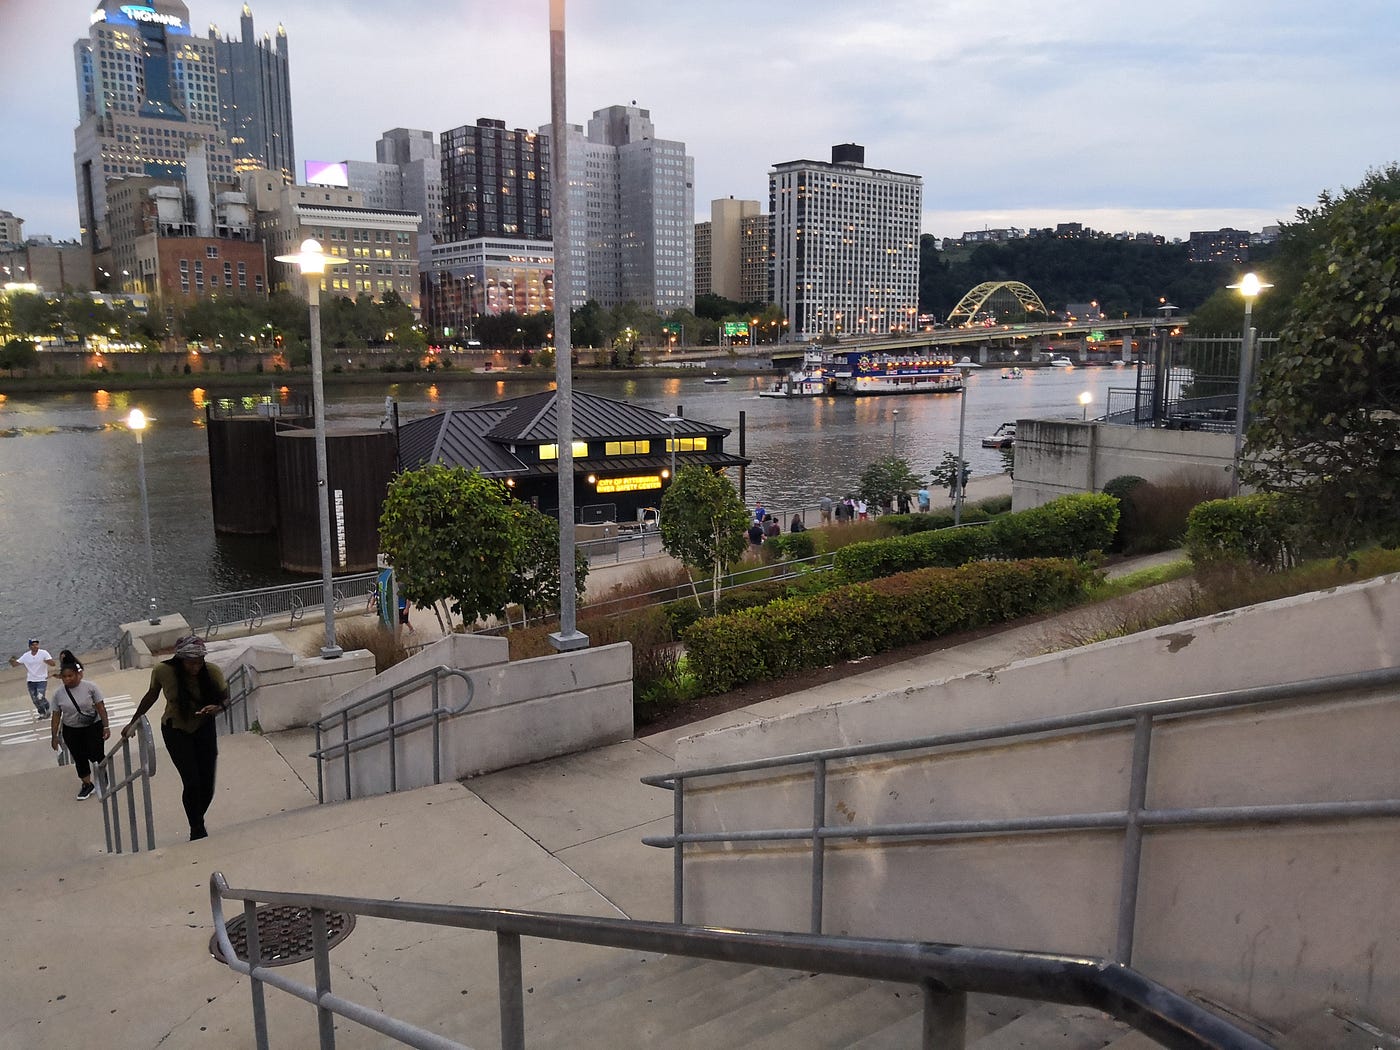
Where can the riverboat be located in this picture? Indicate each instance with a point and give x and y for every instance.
(857, 373)
(1003, 436)
(808, 381)
(1061, 362)
(716, 378)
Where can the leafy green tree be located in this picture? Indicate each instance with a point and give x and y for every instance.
(18, 353)
(32, 314)
(534, 582)
(945, 473)
(703, 523)
(883, 482)
(452, 538)
(1327, 419)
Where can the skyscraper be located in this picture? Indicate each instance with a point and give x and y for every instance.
(255, 99)
(147, 87)
(495, 182)
(845, 244)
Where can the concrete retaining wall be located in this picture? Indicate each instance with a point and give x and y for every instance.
(1055, 457)
(519, 712)
(1272, 920)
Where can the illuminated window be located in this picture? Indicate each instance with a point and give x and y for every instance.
(552, 451)
(687, 444)
(627, 448)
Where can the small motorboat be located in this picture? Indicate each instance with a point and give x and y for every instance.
(1003, 437)
(1061, 362)
(715, 377)
(1012, 373)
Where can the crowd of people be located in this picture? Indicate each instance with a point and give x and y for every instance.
(195, 691)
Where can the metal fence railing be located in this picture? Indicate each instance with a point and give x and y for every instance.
(234, 717)
(1132, 821)
(254, 607)
(944, 974)
(393, 730)
(114, 789)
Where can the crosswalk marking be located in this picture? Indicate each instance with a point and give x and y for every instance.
(21, 727)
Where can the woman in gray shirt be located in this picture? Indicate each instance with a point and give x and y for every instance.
(80, 712)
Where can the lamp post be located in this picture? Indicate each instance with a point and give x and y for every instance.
(1249, 286)
(894, 434)
(137, 422)
(1084, 400)
(672, 421)
(965, 367)
(312, 263)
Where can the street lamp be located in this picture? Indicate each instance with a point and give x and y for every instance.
(137, 422)
(673, 421)
(312, 263)
(894, 434)
(965, 367)
(1249, 286)
(1084, 400)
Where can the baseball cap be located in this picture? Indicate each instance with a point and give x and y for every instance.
(33, 641)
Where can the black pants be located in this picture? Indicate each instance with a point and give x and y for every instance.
(195, 755)
(84, 743)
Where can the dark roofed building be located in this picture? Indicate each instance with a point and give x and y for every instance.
(622, 452)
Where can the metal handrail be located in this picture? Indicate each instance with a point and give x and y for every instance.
(110, 789)
(234, 717)
(385, 698)
(1132, 820)
(945, 973)
(254, 606)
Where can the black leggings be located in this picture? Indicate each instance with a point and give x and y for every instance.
(195, 755)
(84, 743)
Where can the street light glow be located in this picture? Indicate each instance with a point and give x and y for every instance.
(137, 420)
(1249, 286)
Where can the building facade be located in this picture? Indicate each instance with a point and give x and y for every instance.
(727, 217)
(379, 245)
(495, 183)
(464, 280)
(1226, 245)
(255, 98)
(756, 260)
(148, 87)
(11, 229)
(703, 249)
(845, 245)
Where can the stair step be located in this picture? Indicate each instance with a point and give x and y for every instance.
(1134, 1041)
(1055, 1027)
(985, 1014)
(1337, 1031)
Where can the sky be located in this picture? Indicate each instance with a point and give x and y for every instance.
(1124, 115)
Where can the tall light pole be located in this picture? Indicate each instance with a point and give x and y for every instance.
(1084, 400)
(137, 422)
(312, 263)
(673, 421)
(894, 434)
(965, 367)
(568, 637)
(1249, 286)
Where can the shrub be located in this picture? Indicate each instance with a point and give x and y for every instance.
(793, 546)
(375, 637)
(992, 505)
(861, 619)
(1256, 529)
(1158, 510)
(907, 524)
(1120, 488)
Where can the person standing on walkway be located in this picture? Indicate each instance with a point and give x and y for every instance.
(824, 504)
(924, 499)
(80, 714)
(862, 510)
(36, 664)
(195, 691)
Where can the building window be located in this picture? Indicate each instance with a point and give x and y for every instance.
(687, 444)
(211, 251)
(627, 448)
(548, 452)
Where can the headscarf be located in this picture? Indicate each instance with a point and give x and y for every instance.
(190, 647)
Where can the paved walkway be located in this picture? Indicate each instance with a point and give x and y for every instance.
(112, 949)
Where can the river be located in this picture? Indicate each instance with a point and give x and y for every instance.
(70, 508)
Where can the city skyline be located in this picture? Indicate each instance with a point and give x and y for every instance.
(1014, 115)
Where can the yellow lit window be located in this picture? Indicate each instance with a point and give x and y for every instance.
(687, 444)
(552, 451)
(627, 448)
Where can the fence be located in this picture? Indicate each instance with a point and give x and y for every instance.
(1185, 383)
(252, 608)
(112, 792)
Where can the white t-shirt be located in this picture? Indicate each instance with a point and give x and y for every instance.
(86, 696)
(36, 665)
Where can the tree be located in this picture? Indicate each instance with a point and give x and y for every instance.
(534, 582)
(18, 353)
(452, 539)
(883, 482)
(703, 523)
(1326, 425)
(946, 472)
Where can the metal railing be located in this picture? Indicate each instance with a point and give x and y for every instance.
(234, 717)
(1133, 820)
(126, 651)
(394, 729)
(112, 791)
(944, 973)
(253, 607)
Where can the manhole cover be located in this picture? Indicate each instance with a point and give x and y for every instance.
(284, 934)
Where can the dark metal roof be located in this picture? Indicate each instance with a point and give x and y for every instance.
(533, 420)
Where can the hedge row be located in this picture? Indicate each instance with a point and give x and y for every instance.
(1069, 527)
(906, 524)
(1257, 528)
(797, 634)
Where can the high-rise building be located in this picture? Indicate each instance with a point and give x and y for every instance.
(845, 245)
(148, 87)
(725, 262)
(756, 258)
(11, 228)
(631, 208)
(255, 98)
(1225, 245)
(703, 257)
(406, 175)
(495, 183)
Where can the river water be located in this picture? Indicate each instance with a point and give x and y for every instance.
(70, 508)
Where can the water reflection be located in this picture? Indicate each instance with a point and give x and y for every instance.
(101, 400)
